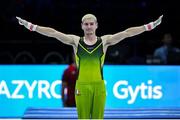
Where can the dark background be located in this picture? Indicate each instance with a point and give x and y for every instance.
(20, 46)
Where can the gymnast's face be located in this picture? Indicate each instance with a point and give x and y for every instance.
(89, 26)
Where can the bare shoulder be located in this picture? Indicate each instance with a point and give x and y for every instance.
(75, 39)
(105, 39)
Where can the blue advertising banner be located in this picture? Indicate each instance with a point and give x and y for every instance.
(142, 86)
(24, 86)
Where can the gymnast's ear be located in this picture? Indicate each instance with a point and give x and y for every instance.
(97, 24)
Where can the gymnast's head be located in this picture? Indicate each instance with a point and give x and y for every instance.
(89, 23)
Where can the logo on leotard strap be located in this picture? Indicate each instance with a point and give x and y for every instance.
(77, 92)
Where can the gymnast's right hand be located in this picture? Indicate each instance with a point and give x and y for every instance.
(27, 24)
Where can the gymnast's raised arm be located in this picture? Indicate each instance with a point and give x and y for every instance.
(132, 31)
(50, 32)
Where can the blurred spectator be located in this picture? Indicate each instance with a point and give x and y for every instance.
(167, 53)
(68, 85)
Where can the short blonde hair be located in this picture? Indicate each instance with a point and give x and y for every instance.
(89, 16)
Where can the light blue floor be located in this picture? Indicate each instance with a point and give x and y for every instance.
(128, 114)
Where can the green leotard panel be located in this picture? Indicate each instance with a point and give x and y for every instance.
(89, 59)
